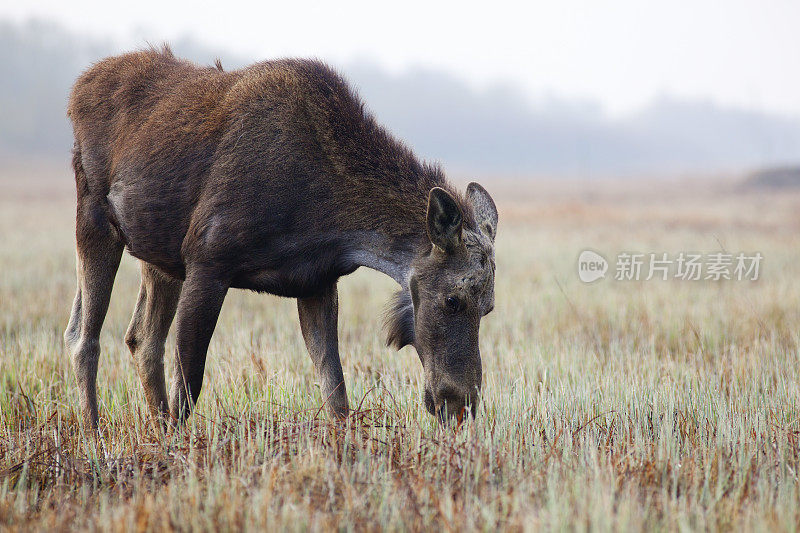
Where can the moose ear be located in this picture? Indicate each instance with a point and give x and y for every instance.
(444, 220)
(484, 209)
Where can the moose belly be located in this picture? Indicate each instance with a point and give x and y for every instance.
(152, 226)
(296, 273)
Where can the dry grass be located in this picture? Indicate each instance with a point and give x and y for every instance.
(650, 405)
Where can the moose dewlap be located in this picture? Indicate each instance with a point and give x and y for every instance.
(271, 178)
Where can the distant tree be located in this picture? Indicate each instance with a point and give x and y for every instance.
(39, 62)
(499, 130)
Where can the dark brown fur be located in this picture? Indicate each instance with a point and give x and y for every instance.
(271, 178)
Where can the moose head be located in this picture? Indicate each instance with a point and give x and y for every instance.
(450, 288)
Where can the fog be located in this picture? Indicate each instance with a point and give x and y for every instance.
(496, 130)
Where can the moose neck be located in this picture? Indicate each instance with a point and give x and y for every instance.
(391, 256)
(384, 188)
(394, 233)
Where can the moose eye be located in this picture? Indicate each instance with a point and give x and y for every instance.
(453, 303)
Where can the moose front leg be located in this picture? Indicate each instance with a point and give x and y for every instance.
(199, 305)
(318, 321)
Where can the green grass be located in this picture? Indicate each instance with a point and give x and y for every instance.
(649, 405)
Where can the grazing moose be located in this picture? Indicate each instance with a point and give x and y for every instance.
(271, 178)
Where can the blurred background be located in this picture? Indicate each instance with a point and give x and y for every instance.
(579, 88)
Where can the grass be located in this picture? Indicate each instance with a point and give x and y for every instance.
(616, 405)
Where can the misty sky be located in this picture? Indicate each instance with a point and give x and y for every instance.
(622, 54)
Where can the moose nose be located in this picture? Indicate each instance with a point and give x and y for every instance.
(454, 403)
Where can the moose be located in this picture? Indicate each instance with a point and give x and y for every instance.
(272, 178)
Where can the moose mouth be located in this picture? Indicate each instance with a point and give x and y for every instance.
(445, 415)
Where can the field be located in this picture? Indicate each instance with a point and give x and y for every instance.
(612, 405)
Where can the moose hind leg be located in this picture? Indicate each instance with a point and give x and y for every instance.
(147, 332)
(99, 254)
(73, 332)
(318, 321)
